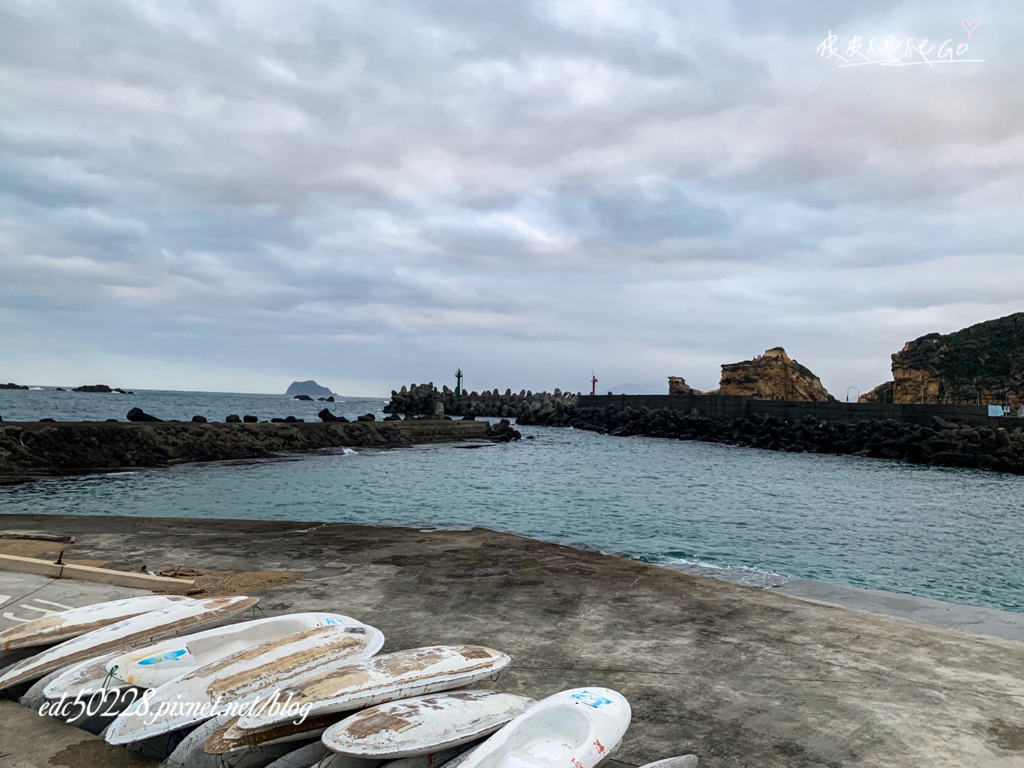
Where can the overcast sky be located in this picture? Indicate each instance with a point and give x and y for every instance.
(232, 194)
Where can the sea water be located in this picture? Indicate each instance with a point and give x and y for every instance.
(949, 534)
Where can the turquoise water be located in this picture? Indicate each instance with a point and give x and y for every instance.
(948, 534)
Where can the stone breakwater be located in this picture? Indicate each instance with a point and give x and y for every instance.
(942, 444)
(422, 399)
(27, 448)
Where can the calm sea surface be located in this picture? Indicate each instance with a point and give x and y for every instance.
(943, 533)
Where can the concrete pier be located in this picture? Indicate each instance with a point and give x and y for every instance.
(738, 675)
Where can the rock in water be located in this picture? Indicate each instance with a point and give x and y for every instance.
(366, 417)
(303, 397)
(234, 418)
(309, 388)
(199, 419)
(137, 414)
(10, 385)
(248, 419)
(327, 416)
(102, 388)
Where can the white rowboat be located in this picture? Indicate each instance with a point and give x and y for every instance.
(58, 627)
(424, 724)
(153, 665)
(384, 678)
(245, 677)
(577, 728)
(130, 633)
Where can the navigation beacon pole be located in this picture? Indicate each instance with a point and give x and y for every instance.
(458, 384)
(593, 383)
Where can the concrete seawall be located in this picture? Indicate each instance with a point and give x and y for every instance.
(27, 448)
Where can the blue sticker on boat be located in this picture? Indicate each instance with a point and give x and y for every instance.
(161, 657)
(333, 622)
(591, 699)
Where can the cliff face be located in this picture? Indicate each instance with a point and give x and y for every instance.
(772, 376)
(981, 364)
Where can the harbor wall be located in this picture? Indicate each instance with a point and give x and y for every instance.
(727, 407)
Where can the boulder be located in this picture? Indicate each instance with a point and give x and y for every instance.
(366, 417)
(198, 419)
(249, 419)
(100, 388)
(303, 397)
(137, 414)
(234, 418)
(326, 416)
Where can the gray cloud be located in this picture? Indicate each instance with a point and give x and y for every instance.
(227, 195)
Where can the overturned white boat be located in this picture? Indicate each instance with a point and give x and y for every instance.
(244, 677)
(153, 665)
(424, 724)
(577, 728)
(130, 633)
(58, 627)
(381, 679)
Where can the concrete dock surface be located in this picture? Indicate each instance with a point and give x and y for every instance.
(740, 676)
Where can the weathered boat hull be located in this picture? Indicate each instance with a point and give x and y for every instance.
(243, 677)
(129, 633)
(58, 627)
(424, 724)
(392, 676)
(154, 665)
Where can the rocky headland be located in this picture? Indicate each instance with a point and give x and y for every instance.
(11, 385)
(771, 376)
(983, 363)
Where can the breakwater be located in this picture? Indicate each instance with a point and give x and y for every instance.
(940, 443)
(952, 436)
(27, 448)
(423, 398)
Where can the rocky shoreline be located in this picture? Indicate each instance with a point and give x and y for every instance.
(39, 448)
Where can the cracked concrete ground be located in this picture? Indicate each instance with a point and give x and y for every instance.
(740, 676)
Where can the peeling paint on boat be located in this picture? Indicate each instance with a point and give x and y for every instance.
(424, 724)
(385, 678)
(74, 622)
(230, 738)
(126, 634)
(246, 675)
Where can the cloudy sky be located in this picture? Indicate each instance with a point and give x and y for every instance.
(231, 194)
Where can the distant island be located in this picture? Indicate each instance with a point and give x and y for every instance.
(309, 388)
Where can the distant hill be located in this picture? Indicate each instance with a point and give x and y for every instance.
(310, 388)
